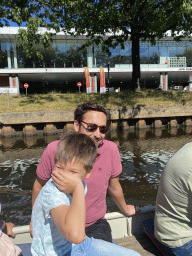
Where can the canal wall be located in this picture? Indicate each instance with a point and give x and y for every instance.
(53, 122)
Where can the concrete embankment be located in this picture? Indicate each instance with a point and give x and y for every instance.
(52, 122)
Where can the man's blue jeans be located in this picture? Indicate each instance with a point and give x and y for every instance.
(97, 247)
(184, 250)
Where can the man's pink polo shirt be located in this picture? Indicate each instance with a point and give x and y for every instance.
(107, 165)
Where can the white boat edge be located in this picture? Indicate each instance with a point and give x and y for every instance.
(121, 225)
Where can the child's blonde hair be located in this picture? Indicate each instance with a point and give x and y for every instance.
(78, 147)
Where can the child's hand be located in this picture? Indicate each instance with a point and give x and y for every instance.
(8, 229)
(66, 182)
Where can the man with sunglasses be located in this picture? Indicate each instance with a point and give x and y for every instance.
(91, 119)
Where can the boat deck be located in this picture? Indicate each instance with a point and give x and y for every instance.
(140, 243)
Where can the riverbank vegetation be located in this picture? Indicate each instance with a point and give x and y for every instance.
(68, 101)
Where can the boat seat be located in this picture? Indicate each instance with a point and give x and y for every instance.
(26, 249)
(148, 227)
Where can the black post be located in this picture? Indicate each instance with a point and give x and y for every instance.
(108, 73)
(135, 59)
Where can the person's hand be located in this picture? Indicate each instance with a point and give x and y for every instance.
(31, 229)
(8, 229)
(130, 210)
(66, 182)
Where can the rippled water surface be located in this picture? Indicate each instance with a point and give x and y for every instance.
(143, 153)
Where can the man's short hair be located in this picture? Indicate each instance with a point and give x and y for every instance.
(85, 107)
(78, 147)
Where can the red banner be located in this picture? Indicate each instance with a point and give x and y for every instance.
(93, 84)
(87, 78)
(164, 82)
(13, 82)
(102, 80)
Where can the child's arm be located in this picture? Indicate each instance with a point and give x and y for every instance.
(71, 220)
(7, 228)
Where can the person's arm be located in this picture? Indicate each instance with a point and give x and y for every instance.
(116, 193)
(7, 228)
(38, 184)
(71, 220)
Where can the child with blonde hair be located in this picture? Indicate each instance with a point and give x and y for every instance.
(58, 218)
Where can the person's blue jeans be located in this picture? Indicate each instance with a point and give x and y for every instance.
(97, 247)
(184, 250)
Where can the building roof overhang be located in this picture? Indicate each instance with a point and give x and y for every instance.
(118, 75)
(11, 32)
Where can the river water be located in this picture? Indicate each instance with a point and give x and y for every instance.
(144, 154)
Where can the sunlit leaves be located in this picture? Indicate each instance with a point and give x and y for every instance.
(187, 6)
(12, 10)
(32, 36)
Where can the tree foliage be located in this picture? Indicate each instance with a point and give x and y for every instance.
(14, 10)
(28, 38)
(107, 22)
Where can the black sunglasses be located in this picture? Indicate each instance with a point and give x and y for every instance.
(93, 128)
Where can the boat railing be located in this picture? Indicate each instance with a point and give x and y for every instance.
(121, 225)
(21, 229)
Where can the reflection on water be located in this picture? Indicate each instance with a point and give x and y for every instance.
(143, 153)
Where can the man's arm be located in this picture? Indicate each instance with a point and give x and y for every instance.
(38, 184)
(116, 193)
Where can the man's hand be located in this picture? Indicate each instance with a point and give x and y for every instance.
(8, 229)
(116, 193)
(66, 182)
(130, 210)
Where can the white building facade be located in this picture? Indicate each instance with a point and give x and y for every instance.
(167, 63)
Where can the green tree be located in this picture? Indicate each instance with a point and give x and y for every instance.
(49, 57)
(75, 57)
(20, 11)
(29, 39)
(119, 59)
(111, 23)
(154, 59)
(3, 59)
(14, 10)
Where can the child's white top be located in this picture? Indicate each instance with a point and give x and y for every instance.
(47, 239)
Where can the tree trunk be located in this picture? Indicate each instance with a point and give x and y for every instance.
(135, 84)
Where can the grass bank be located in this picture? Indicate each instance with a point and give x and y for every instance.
(69, 101)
